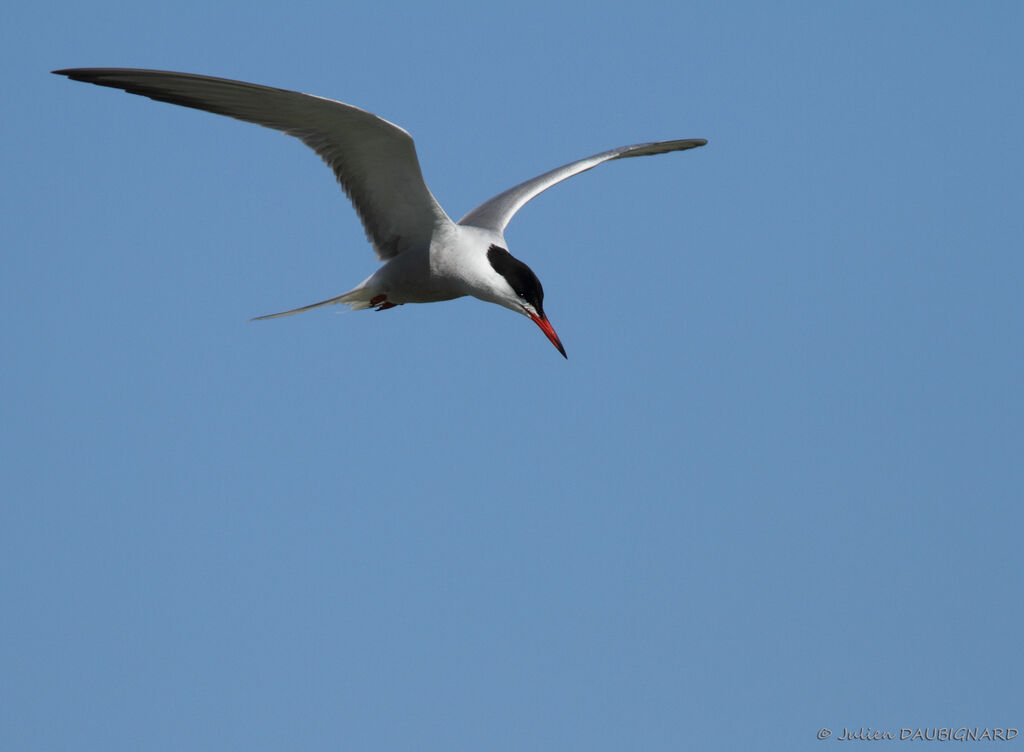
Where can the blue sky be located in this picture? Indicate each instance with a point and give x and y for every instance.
(775, 488)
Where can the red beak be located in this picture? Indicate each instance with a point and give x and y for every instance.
(549, 332)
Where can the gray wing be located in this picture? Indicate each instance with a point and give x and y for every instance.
(496, 213)
(374, 160)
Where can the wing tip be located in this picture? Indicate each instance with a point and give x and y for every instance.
(87, 75)
(662, 147)
(76, 72)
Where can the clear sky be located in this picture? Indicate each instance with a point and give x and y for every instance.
(775, 488)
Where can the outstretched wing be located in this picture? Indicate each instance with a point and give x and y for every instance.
(374, 160)
(496, 213)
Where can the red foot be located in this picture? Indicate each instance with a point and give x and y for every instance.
(380, 302)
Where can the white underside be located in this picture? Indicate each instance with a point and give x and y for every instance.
(453, 265)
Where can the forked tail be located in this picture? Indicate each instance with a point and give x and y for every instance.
(355, 299)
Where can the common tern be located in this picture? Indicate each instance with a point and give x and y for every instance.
(427, 257)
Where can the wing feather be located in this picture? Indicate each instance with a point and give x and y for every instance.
(495, 213)
(374, 160)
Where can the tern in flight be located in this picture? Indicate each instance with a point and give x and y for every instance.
(427, 257)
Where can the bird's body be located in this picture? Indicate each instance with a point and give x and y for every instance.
(449, 266)
(427, 257)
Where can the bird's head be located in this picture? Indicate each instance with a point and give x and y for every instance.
(519, 290)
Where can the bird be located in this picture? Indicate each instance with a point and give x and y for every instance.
(426, 256)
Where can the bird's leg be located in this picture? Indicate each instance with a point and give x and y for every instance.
(381, 302)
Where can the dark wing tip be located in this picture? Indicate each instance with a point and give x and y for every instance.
(662, 147)
(77, 74)
(656, 147)
(98, 76)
